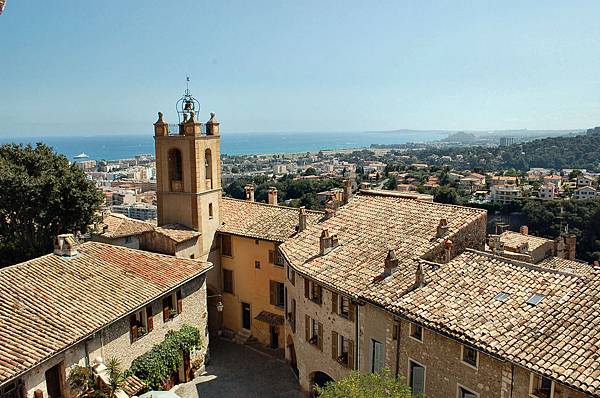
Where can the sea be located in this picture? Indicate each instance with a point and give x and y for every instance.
(127, 146)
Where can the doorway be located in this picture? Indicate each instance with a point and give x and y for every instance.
(53, 381)
(274, 337)
(246, 316)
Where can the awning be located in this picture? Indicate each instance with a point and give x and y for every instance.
(270, 318)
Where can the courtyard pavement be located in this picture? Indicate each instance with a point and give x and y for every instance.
(241, 372)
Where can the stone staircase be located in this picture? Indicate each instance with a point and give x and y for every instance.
(242, 336)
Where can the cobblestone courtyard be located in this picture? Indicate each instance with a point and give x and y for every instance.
(240, 372)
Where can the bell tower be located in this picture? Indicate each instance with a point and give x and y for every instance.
(188, 171)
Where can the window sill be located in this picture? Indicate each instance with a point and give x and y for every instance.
(416, 339)
(474, 367)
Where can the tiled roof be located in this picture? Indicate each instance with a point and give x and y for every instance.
(367, 227)
(120, 226)
(261, 220)
(51, 302)
(177, 232)
(514, 239)
(559, 337)
(565, 265)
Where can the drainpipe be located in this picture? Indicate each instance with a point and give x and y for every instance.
(357, 330)
(398, 347)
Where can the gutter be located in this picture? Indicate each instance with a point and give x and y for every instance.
(87, 336)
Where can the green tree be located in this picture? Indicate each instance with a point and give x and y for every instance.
(445, 194)
(41, 196)
(370, 385)
(310, 172)
(391, 184)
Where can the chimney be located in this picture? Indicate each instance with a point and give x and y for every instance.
(442, 228)
(347, 191)
(65, 245)
(524, 230)
(391, 262)
(249, 189)
(272, 196)
(448, 244)
(420, 275)
(160, 127)
(327, 242)
(571, 243)
(212, 126)
(302, 216)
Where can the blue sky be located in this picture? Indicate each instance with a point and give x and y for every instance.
(107, 67)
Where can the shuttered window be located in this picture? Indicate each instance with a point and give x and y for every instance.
(277, 293)
(172, 305)
(228, 281)
(271, 256)
(376, 356)
(226, 245)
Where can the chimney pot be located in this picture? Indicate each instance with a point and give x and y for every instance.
(302, 217)
(272, 194)
(391, 262)
(65, 245)
(448, 244)
(249, 189)
(420, 275)
(524, 230)
(327, 242)
(442, 228)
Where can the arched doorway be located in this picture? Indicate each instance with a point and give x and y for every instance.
(292, 354)
(319, 379)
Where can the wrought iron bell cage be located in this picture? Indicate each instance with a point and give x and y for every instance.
(186, 105)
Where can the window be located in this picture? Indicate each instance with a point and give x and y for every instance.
(210, 211)
(314, 332)
(175, 170)
(128, 239)
(257, 264)
(208, 168)
(141, 323)
(540, 386)
(344, 307)
(416, 332)
(376, 356)
(416, 373)
(13, 390)
(313, 291)
(226, 245)
(466, 393)
(228, 281)
(535, 299)
(395, 332)
(192, 256)
(279, 258)
(291, 275)
(502, 296)
(291, 315)
(470, 356)
(343, 358)
(277, 291)
(172, 305)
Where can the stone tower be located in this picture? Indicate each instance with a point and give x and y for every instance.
(188, 172)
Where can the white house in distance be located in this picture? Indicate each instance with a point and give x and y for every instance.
(586, 192)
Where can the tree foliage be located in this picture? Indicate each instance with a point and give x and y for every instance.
(41, 196)
(370, 385)
(84, 382)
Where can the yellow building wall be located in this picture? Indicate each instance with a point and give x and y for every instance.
(252, 286)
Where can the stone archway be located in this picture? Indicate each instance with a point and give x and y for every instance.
(291, 354)
(319, 379)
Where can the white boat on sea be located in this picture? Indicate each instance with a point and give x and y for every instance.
(82, 155)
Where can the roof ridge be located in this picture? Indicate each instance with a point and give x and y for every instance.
(271, 205)
(523, 264)
(382, 193)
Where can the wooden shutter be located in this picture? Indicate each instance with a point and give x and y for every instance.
(334, 302)
(320, 294)
(293, 278)
(166, 311)
(320, 331)
(271, 256)
(133, 327)
(307, 326)
(306, 288)
(273, 292)
(179, 301)
(350, 354)
(149, 318)
(351, 307)
(334, 345)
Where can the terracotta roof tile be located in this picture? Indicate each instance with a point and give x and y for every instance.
(261, 220)
(367, 227)
(565, 265)
(121, 226)
(513, 239)
(51, 302)
(177, 232)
